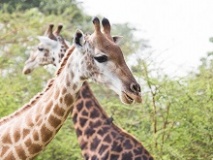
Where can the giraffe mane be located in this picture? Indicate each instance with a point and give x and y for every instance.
(28, 105)
(65, 58)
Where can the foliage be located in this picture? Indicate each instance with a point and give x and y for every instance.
(181, 114)
(175, 120)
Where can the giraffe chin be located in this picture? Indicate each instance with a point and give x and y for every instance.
(128, 98)
(26, 71)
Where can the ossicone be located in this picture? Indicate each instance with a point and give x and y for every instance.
(78, 39)
(49, 32)
(96, 23)
(57, 32)
(106, 26)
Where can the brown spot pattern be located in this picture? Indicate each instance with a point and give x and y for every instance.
(10, 157)
(46, 134)
(64, 90)
(16, 135)
(6, 138)
(58, 110)
(28, 142)
(20, 152)
(48, 107)
(54, 121)
(34, 148)
(68, 99)
(35, 136)
(4, 149)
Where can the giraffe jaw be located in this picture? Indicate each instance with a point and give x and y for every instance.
(129, 98)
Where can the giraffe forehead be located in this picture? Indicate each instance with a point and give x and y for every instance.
(103, 44)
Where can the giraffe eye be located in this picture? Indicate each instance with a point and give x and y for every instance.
(101, 59)
(40, 49)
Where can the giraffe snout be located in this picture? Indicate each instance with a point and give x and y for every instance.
(134, 92)
(131, 94)
(135, 87)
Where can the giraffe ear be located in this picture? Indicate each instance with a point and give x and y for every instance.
(117, 39)
(79, 38)
(47, 41)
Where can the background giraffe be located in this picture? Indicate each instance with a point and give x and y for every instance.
(26, 132)
(98, 136)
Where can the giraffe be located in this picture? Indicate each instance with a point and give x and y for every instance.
(26, 132)
(98, 137)
(42, 55)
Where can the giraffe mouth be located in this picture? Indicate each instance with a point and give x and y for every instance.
(129, 98)
(125, 98)
(26, 71)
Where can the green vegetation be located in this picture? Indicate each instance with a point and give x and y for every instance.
(175, 121)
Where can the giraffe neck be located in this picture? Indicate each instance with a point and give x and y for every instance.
(98, 136)
(64, 46)
(34, 126)
(58, 54)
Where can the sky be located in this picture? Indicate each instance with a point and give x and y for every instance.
(178, 30)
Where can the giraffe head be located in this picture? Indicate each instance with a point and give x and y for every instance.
(50, 50)
(105, 62)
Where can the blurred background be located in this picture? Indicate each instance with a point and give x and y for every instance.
(166, 43)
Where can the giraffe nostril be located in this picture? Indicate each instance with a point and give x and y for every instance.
(135, 87)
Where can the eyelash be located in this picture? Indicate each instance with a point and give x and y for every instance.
(101, 59)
